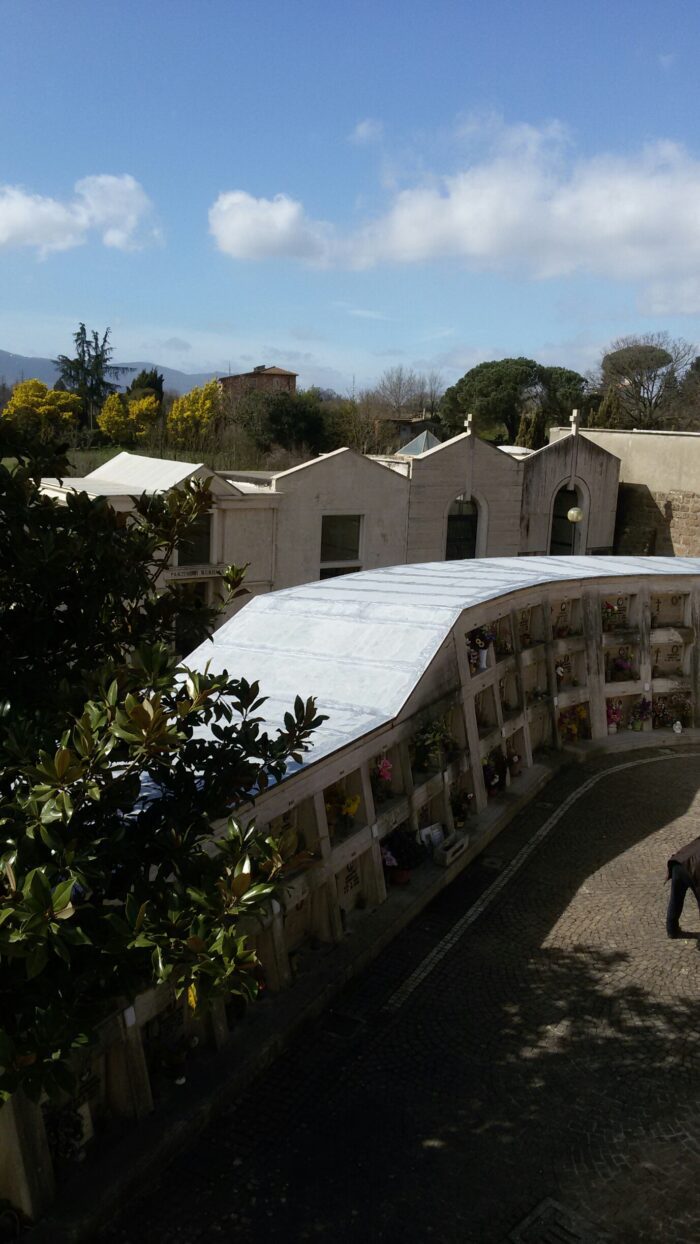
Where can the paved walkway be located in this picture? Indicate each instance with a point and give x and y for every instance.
(552, 1049)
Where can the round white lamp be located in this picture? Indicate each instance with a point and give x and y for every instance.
(575, 514)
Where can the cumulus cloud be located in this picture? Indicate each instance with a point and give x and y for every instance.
(115, 208)
(529, 209)
(524, 205)
(248, 228)
(366, 132)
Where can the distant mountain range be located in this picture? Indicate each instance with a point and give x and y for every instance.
(14, 367)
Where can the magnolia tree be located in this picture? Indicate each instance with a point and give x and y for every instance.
(118, 772)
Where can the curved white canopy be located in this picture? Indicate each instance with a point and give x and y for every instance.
(360, 643)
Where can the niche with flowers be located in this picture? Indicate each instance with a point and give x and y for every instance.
(480, 641)
(345, 810)
(570, 670)
(495, 771)
(385, 778)
(669, 711)
(617, 613)
(574, 723)
(617, 712)
(622, 663)
(433, 747)
(462, 800)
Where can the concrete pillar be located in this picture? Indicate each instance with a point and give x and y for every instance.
(26, 1169)
(128, 1082)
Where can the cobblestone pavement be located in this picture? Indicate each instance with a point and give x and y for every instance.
(552, 1051)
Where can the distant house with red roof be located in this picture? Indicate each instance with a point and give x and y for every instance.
(261, 379)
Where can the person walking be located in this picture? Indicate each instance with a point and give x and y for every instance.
(683, 871)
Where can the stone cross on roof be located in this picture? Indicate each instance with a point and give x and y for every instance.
(573, 420)
(468, 424)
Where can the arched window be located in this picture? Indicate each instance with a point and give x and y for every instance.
(462, 525)
(563, 539)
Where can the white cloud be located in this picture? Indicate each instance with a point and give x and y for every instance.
(525, 205)
(117, 209)
(527, 209)
(361, 313)
(366, 132)
(679, 297)
(248, 228)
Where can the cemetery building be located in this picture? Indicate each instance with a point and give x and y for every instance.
(659, 495)
(343, 512)
(449, 688)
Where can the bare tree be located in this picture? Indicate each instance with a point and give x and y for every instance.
(642, 377)
(430, 387)
(397, 387)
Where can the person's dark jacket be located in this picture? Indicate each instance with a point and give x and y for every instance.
(689, 857)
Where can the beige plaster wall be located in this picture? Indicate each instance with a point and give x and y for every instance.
(595, 476)
(249, 536)
(339, 483)
(662, 461)
(467, 466)
(658, 510)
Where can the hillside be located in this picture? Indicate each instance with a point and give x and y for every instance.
(14, 367)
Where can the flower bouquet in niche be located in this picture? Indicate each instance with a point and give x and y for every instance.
(613, 712)
(608, 612)
(461, 803)
(622, 669)
(514, 762)
(640, 712)
(478, 642)
(380, 777)
(570, 724)
(433, 746)
(341, 810)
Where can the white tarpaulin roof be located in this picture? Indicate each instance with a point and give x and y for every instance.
(360, 643)
(133, 474)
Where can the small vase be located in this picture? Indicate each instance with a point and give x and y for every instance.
(482, 658)
(612, 728)
(636, 725)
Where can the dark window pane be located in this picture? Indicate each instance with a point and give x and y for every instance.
(332, 572)
(462, 523)
(340, 537)
(195, 548)
(563, 532)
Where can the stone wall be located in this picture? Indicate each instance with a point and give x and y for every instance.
(657, 523)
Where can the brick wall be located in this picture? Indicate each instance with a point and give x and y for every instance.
(657, 523)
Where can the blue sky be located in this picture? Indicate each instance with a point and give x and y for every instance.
(342, 188)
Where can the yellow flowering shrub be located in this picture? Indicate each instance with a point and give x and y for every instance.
(195, 414)
(127, 422)
(38, 410)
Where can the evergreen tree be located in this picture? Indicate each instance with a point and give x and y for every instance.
(90, 374)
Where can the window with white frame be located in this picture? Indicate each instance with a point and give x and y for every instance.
(340, 544)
